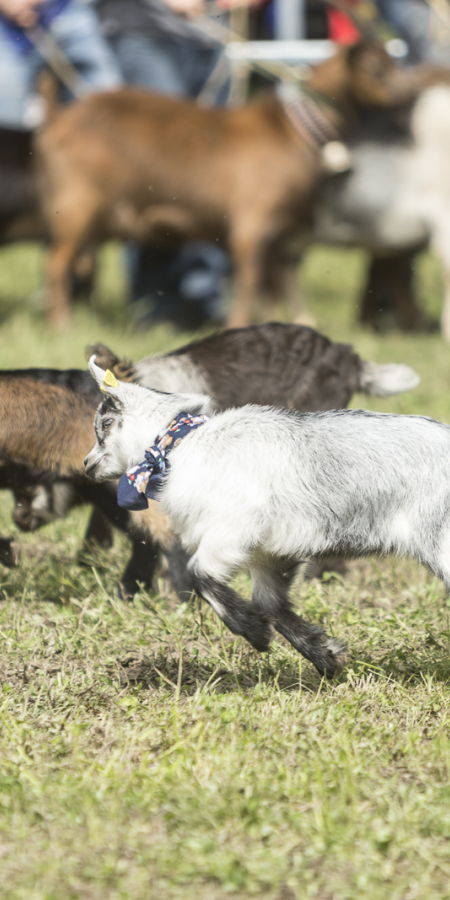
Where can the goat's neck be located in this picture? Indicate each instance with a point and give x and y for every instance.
(328, 87)
(158, 418)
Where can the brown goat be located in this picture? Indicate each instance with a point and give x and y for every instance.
(46, 429)
(134, 165)
(44, 425)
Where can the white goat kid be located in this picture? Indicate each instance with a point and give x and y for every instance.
(264, 488)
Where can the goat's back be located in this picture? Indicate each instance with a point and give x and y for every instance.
(145, 148)
(288, 366)
(290, 483)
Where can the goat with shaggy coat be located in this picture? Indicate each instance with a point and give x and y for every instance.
(262, 489)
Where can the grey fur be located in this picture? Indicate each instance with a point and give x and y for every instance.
(174, 374)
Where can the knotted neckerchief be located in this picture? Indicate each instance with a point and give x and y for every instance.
(306, 116)
(143, 482)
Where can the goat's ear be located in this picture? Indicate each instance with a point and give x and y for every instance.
(96, 371)
(106, 381)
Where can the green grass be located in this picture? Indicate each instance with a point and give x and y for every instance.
(145, 753)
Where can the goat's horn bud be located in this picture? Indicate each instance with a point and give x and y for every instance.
(110, 380)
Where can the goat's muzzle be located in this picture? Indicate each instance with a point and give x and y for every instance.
(90, 467)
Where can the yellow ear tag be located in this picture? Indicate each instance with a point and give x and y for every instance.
(110, 380)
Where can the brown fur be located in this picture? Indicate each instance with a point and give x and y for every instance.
(51, 429)
(46, 430)
(134, 165)
(156, 522)
(45, 426)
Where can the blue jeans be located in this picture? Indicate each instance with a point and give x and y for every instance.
(177, 68)
(77, 32)
(411, 18)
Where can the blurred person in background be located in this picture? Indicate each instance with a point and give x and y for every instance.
(424, 25)
(419, 24)
(159, 49)
(75, 28)
(152, 46)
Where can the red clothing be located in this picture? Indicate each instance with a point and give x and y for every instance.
(341, 28)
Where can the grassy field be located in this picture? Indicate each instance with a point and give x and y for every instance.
(145, 753)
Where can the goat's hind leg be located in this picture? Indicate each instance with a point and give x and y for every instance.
(272, 580)
(326, 654)
(246, 619)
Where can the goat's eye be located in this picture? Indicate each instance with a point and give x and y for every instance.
(107, 423)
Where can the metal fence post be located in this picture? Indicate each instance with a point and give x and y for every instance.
(290, 20)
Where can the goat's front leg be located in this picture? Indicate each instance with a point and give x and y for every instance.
(71, 220)
(247, 263)
(243, 618)
(61, 256)
(141, 566)
(389, 292)
(177, 561)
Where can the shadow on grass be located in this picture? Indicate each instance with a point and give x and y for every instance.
(407, 664)
(158, 671)
(195, 671)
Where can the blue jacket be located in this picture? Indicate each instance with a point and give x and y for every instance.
(46, 13)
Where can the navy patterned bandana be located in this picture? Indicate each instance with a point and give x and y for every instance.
(143, 482)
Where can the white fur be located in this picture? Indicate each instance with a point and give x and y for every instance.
(385, 380)
(170, 373)
(398, 195)
(256, 483)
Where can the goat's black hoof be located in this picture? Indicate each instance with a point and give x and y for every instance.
(127, 591)
(332, 657)
(260, 643)
(9, 552)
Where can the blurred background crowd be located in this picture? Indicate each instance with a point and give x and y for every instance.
(185, 48)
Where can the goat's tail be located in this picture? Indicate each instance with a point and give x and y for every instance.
(384, 380)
